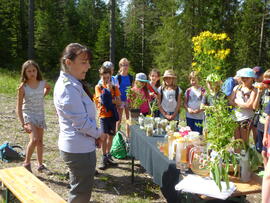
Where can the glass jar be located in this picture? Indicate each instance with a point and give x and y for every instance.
(198, 160)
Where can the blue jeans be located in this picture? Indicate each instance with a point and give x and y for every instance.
(192, 124)
(259, 139)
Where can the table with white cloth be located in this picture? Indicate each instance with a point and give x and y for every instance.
(166, 175)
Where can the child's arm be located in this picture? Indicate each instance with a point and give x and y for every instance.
(231, 98)
(97, 96)
(257, 99)
(47, 89)
(117, 99)
(177, 107)
(186, 104)
(160, 107)
(20, 96)
(266, 127)
(249, 103)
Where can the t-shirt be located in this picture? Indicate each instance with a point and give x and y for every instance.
(267, 111)
(228, 85)
(144, 108)
(103, 113)
(194, 102)
(242, 95)
(125, 83)
(168, 102)
(113, 80)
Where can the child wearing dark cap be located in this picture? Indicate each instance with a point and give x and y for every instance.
(259, 73)
(261, 100)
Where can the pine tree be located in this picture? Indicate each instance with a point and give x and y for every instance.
(247, 35)
(140, 24)
(11, 47)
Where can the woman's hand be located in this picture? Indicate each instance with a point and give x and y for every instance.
(100, 140)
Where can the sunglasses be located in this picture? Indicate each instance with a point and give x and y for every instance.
(124, 65)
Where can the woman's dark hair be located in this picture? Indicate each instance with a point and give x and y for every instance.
(159, 75)
(27, 64)
(71, 52)
(86, 88)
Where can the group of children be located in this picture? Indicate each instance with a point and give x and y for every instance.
(167, 95)
(251, 101)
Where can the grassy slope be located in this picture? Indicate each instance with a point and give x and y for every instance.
(10, 80)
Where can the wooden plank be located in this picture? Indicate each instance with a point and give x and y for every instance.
(251, 187)
(27, 187)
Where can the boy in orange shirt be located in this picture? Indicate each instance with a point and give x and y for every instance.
(107, 96)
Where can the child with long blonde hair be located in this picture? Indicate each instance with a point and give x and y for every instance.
(192, 103)
(125, 80)
(30, 110)
(169, 97)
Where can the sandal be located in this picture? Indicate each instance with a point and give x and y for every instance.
(44, 169)
(28, 167)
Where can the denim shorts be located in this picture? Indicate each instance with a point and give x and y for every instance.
(108, 125)
(124, 104)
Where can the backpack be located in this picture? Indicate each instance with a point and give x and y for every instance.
(8, 153)
(118, 149)
(119, 78)
(189, 90)
(176, 94)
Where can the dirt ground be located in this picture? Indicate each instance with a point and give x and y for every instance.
(111, 185)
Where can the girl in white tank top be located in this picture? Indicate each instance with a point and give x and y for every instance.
(30, 110)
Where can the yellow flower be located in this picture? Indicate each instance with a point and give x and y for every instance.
(223, 36)
(227, 51)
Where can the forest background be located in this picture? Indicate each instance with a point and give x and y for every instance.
(150, 33)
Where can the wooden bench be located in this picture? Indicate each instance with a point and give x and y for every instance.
(26, 187)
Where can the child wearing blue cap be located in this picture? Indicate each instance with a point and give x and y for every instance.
(243, 98)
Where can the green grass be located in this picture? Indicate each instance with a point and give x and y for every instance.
(10, 81)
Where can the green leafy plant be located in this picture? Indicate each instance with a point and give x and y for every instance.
(153, 107)
(134, 98)
(209, 60)
(220, 128)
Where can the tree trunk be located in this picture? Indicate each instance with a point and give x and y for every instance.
(112, 31)
(262, 32)
(31, 9)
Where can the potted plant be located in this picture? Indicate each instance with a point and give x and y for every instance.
(219, 132)
(135, 100)
(210, 55)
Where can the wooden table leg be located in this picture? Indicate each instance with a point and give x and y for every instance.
(7, 195)
(132, 170)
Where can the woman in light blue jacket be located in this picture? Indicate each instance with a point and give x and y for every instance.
(76, 111)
